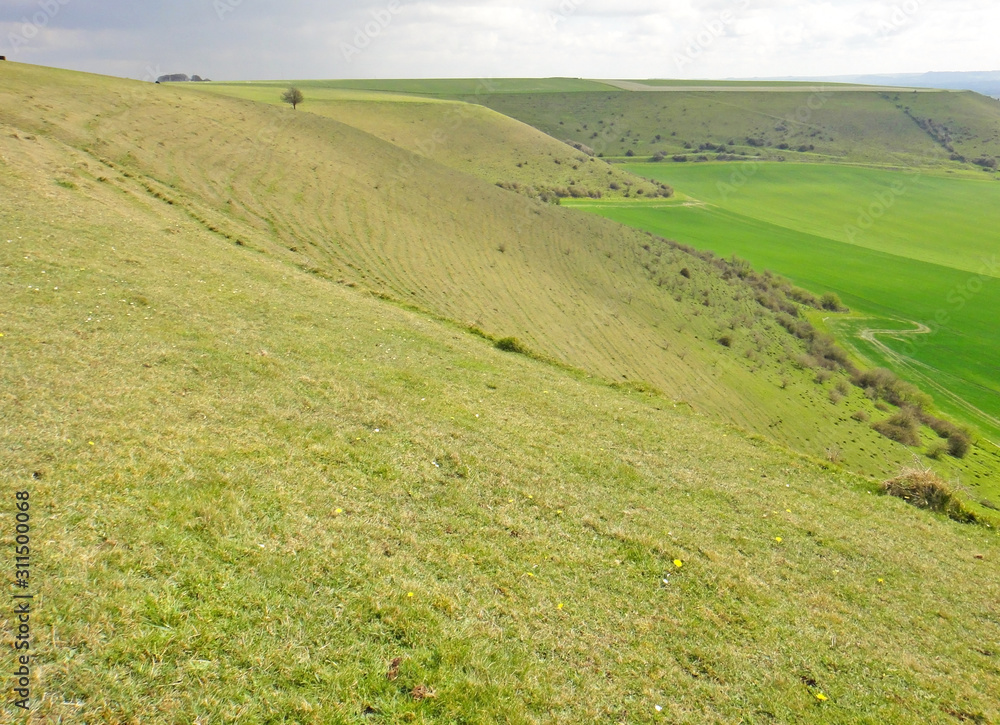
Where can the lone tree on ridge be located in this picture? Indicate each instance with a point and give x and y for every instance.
(294, 96)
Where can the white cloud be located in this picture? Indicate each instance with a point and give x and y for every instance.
(590, 38)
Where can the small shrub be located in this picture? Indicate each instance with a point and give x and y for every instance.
(902, 428)
(686, 273)
(805, 297)
(959, 444)
(924, 489)
(830, 301)
(937, 450)
(726, 340)
(835, 397)
(510, 344)
(861, 416)
(886, 386)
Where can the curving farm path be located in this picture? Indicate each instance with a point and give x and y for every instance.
(919, 369)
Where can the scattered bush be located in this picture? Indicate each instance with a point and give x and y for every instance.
(686, 273)
(959, 444)
(861, 416)
(511, 344)
(924, 489)
(959, 439)
(805, 297)
(903, 427)
(726, 340)
(937, 450)
(831, 301)
(882, 384)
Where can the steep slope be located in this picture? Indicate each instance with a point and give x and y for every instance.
(257, 495)
(469, 138)
(349, 206)
(874, 127)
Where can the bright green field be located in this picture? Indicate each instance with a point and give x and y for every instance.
(925, 260)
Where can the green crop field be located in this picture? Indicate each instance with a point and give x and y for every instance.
(901, 248)
(281, 470)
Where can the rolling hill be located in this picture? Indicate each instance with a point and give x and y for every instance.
(274, 476)
(882, 127)
(591, 294)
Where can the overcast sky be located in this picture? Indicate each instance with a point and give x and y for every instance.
(300, 39)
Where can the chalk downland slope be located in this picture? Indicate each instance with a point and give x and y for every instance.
(944, 129)
(469, 138)
(346, 205)
(261, 495)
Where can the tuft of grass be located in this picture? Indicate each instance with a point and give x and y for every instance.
(926, 490)
(511, 344)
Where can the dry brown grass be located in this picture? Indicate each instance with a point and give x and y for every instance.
(925, 489)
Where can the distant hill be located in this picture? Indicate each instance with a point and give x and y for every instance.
(985, 82)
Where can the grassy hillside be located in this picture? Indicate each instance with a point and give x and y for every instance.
(259, 495)
(449, 87)
(465, 137)
(351, 207)
(872, 127)
(923, 261)
(928, 231)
